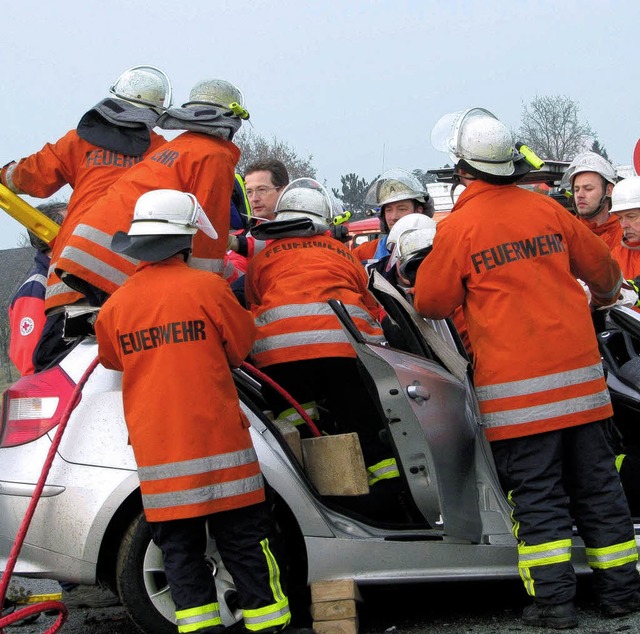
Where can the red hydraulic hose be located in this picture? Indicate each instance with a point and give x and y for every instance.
(254, 372)
(43, 606)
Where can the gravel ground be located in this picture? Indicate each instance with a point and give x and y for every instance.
(449, 608)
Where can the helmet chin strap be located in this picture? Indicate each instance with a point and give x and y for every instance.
(457, 180)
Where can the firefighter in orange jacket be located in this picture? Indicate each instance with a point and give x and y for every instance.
(173, 331)
(110, 138)
(591, 179)
(511, 257)
(300, 343)
(395, 194)
(201, 160)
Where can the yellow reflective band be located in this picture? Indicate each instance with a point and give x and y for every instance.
(619, 460)
(292, 416)
(612, 556)
(544, 554)
(194, 619)
(268, 617)
(383, 470)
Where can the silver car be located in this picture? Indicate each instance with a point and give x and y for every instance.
(89, 527)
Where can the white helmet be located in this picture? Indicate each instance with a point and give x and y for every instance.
(406, 224)
(164, 223)
(477, 137)
(218, 92)
(144, 86)
(626, 195)
(422, 226)
(307, 198)
(394, 185)
(589, 162)
(412, 248)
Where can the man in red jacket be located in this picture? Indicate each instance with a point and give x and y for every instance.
(173, 331)
(511, 257)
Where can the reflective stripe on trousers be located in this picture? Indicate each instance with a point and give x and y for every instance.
(278, 613)
(194, 619)
(383, 470)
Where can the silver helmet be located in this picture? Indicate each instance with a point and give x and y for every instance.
(144, 86)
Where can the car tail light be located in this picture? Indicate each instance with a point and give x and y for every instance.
(33, 405)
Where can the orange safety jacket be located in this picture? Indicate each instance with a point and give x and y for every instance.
(173, 331)
(287, 286)
(90, 170)
(627, 255)
(192, 162)
(610, 231)
(511, 257)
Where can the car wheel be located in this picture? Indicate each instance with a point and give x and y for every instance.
(143, 588)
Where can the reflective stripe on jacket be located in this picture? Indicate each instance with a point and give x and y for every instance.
(287, 287)
(511, 257)
(173, 331)
(196, 163)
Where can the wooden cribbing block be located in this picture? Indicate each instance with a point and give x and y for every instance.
(334, 590)
(291, 436)
(334, 610)
(343, 626)
(335, 464)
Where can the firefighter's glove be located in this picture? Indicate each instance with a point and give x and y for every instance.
(3, 174)
(627, 297)
(635, 285)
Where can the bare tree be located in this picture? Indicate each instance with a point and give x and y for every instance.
(254, 147)
(551, 128)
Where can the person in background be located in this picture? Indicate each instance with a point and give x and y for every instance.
(26, 309)
(625, 209)
(263, 183)
(264, 180)
(510, 258)
(396, 194)
(196, 461)
(591, 179)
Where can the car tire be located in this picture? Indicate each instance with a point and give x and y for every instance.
(142, 584)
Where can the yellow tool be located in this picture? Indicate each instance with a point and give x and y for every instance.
(238, 110)
(338, 220)
(530, 156)
(33, 219)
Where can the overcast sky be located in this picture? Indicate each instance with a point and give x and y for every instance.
(356, 84)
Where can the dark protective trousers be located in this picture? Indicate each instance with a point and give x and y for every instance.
(553, 480)
(242, 536)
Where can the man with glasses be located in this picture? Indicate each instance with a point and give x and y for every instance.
(264, 181)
